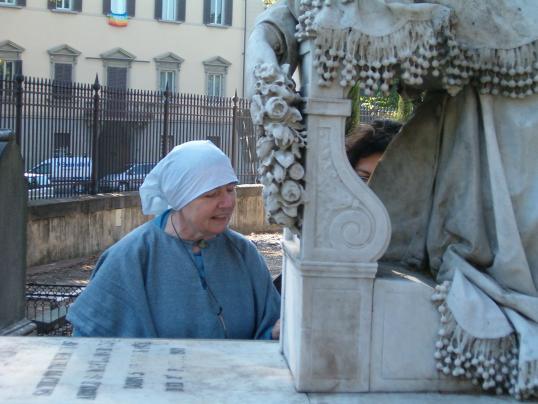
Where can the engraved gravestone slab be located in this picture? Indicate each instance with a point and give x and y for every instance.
(53, 370)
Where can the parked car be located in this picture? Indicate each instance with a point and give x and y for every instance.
(67, 174)
(39, 186)
(127, 180)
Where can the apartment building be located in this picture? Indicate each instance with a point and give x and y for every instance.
(193, 46)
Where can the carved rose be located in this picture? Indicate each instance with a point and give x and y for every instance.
(296, 171)
(276, 108)
(291, 191)
(266, 71)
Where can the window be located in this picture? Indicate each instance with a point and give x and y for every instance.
(62, 144)
(119, 7)
(20, 3)
(10, 63)
(43, 168)
(170, 10)
(116, 77)
(168, 67)
(215, 86)
(62, 84)
(216, 70)
(117, 63)
(167, 78)
(218, 12)
(63, 59)
(65, 5)
(7, 69)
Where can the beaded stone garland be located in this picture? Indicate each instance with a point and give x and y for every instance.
(490, 363)
(418, 49)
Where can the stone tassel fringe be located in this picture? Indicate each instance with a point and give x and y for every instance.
(491, 363)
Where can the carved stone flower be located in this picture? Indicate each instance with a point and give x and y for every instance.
(276, 108)
(283, 219)
(291, 191)
(266, 71)
(256, 110)
(264, 145)
(285, 158)
(283, 135)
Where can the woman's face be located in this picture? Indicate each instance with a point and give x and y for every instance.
(209, 214)
(366, 165)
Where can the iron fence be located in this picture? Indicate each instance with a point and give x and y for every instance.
(47, 305)
(370, 114)
(86, 138)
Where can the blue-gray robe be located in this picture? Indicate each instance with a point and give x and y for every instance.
(147, 285)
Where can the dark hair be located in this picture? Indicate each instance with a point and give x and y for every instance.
(367, 139)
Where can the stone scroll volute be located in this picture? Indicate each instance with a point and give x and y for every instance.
(344, 221)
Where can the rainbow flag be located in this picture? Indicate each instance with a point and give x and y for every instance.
(117, 20)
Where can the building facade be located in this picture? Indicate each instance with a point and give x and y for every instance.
(193, 46)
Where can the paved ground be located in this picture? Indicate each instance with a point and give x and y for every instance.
(77, 271)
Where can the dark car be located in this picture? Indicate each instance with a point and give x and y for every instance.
(128, 180)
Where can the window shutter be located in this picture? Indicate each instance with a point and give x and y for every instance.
(18, 68)
(131, 6)
(228, 12)
(77, 5)
(51, 4)
(158, 9)
(117, 77)
(106, 7)
(207, 10)
(21, 3)
(180, 7)
(63, 72)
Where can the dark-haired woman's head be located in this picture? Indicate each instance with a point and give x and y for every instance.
(367, 143)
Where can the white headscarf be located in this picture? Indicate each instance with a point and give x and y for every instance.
(188, 171)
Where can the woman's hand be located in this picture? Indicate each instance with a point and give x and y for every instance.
(275, 333)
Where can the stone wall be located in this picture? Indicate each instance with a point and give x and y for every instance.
(70, 228)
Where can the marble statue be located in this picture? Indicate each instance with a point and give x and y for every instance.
(459, 183)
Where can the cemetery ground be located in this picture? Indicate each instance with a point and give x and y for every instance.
(78, 270)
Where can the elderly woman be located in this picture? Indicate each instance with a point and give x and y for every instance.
(184, 274)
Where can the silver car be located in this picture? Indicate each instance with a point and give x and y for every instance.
(127, 180)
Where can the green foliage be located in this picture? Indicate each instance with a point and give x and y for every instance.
(353, 120)
(402, 109)
(269, 3)
(405, 109)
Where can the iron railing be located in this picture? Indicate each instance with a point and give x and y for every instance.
(85, 138)
(47, 305)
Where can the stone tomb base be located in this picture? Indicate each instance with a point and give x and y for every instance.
(93, 370)
(352, 333)
(404, 331)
